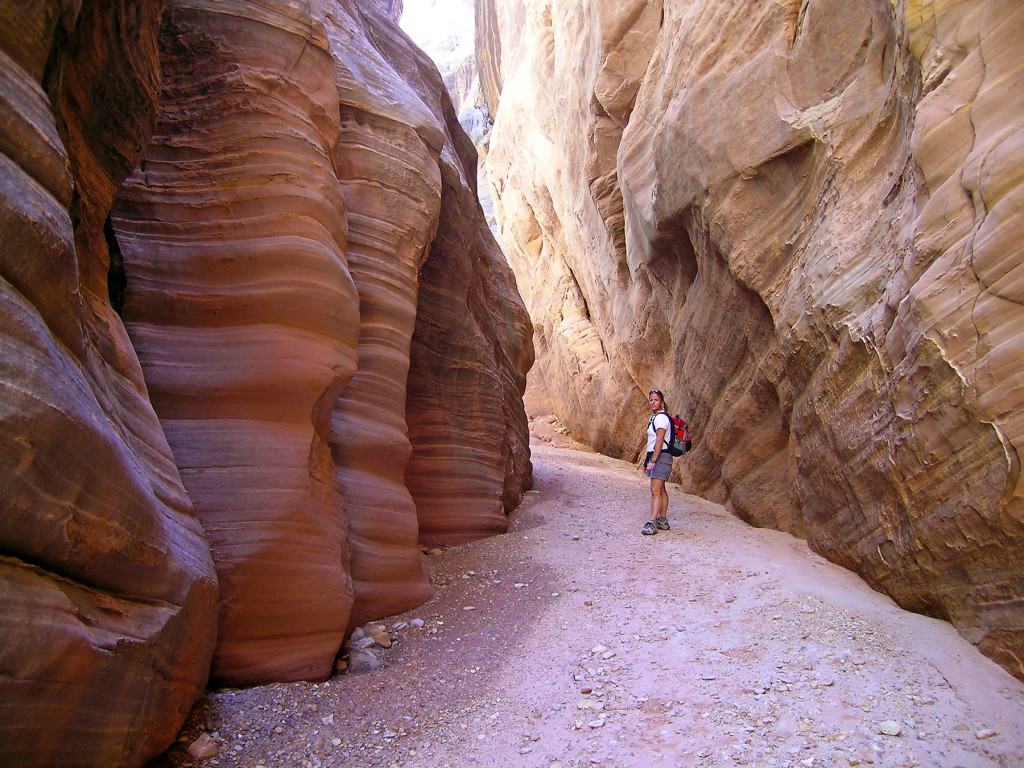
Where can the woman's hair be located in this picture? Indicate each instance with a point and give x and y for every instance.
(664, 405)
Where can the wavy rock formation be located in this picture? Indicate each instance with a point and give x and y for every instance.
(274, 239)
(245, 317)
(107, 590)
(472, 336)
(798, 219)
(387, 165)
(245, 280)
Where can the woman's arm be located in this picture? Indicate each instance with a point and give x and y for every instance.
(659, 442)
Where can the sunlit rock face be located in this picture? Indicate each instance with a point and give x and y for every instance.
(275, 242)
(107, 591)
(799, 220)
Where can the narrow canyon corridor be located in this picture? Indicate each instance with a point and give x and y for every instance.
(263, 374)
(575, 641)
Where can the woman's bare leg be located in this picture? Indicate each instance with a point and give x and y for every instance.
(659, 498)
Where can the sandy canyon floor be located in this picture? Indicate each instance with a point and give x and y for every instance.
(575, 641)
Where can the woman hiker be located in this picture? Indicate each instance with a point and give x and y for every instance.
(657, 463)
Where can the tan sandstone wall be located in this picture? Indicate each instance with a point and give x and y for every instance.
(800, 220)
(245, 286)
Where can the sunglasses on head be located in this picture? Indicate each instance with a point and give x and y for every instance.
(655, 392)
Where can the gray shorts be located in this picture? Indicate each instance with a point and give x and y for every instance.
(664, 466)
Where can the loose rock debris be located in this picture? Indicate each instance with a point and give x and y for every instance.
(711, 644)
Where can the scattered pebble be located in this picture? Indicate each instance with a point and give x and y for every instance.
(890, 728)
(203, 747)
(780, 679)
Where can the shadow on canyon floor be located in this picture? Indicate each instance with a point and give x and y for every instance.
(572, 640)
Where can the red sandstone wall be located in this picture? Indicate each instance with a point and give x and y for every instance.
(107, 590)
(253, 333)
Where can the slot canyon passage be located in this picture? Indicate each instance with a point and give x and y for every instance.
(265, 418)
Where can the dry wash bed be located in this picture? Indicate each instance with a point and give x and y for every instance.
(574, 641)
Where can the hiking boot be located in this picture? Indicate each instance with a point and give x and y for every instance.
(649, 528)
(661, 523)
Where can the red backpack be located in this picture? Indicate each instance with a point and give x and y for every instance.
(679, 436)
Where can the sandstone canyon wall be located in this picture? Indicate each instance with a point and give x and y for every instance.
(257, 342)
(107, 590)
(801, 220)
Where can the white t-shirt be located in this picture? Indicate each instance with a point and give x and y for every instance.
(660, 421)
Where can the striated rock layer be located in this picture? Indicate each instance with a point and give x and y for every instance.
(239, 247)
(245, 317)
(274, 240)
(107, 590)
(798, 219)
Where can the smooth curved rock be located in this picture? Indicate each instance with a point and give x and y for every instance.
(240, 303)
(796, 219)
(469, 351)
(386, 160)
(469, 358)
(286, 183)
(107, 590)
(273, 241)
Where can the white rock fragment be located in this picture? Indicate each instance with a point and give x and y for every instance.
(890, 728)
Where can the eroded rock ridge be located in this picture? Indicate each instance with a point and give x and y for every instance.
(258, 345)
(802, 221)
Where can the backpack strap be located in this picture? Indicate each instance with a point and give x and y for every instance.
(668, 432)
